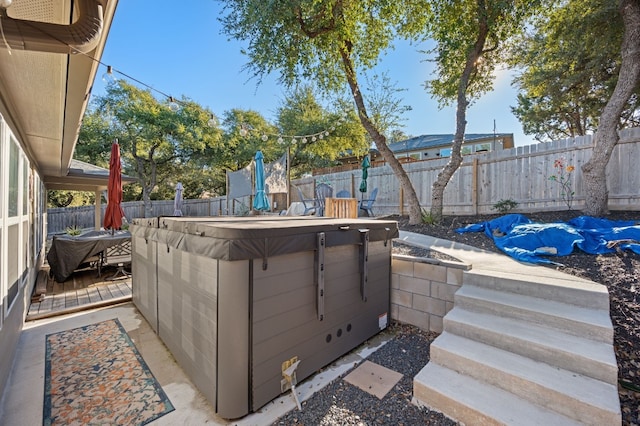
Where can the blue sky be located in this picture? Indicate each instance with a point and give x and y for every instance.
(179, 50)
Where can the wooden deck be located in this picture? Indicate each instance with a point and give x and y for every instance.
(83, 290)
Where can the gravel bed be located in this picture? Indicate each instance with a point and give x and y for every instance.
(341, 403)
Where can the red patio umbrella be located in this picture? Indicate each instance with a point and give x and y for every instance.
(113, 214)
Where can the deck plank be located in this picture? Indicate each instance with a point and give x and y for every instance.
(83, 287)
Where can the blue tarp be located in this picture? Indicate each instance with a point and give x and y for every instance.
(531, 242)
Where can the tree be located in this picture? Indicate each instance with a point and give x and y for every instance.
(245, 133)
(154, 139)
(323, 135)
(469, 35)
(569, 65)
(328, 42)
(607, 137)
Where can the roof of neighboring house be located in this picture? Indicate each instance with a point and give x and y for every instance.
(434, 141)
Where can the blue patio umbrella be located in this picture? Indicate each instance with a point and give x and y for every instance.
(260, 202)
(365, 173)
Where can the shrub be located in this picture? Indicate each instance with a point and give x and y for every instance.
(504, 206)
(428, 218)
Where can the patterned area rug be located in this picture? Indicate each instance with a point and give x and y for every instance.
(95, 375)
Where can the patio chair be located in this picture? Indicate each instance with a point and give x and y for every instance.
(322, 192)
(343, 194)
(367, 204)
(119, 256)
(310, 204)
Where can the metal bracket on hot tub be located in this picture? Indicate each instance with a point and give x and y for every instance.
(319, 267)
(364, 262)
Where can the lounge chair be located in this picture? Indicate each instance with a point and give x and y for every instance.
(322, 192)
(310, 204)
(367, 204)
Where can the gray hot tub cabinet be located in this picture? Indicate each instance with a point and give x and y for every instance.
(235, 298)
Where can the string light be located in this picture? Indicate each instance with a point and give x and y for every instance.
(173, 105)
(245, 129)
(108, 76)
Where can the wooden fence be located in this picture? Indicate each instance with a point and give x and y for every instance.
(59, 219)
(519, 174)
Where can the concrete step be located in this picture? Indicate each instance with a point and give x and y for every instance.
(576, 396)
(576, 320)
(572, 290)
(552, 346)
(473, 402)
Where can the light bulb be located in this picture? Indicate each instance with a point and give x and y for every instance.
(280, 140)
(265, 138)
(5, 3)
(313, 139)
(173, 105)
(213, 121)
(108, 76)
(243, 132)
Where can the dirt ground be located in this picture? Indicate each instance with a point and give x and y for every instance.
(620, 272)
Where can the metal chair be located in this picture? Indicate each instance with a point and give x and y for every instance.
(118, 255)
(343, 194)
(367, 204)
(310, 204)
(322, 192)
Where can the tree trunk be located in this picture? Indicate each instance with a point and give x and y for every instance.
(415, 213)
(147, 183)
(437, 191)
(606, 138)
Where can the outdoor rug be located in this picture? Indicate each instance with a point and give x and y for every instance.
(95, 375)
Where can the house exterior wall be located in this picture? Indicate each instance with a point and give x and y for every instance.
(22, 222)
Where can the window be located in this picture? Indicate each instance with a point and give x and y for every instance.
(445, 152)
(25, 186)
(465, 150)
(14, 178)
(483, 147)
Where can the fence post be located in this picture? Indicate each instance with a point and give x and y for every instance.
(474, 188)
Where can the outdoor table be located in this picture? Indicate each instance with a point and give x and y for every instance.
(342, 208)
(68, 252)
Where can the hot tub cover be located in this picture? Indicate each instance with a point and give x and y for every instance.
(240, 238)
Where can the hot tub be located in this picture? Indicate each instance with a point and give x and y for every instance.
(238, 299)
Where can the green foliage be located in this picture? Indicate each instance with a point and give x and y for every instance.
(327, 42)
(155, 141)
(570, 62)
(562, 176)
(505, 206)
(457, 28)
(63, 198)
(304, 40)
(302, 114)
(73, 230)
(429, 218)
